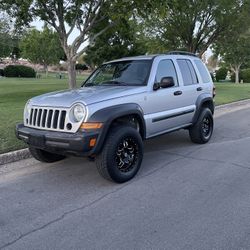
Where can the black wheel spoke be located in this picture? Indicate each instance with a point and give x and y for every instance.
(126, 154)
(206, 126)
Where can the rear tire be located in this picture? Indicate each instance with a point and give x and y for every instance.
(121, 155)
(202, 130)
(44, 156)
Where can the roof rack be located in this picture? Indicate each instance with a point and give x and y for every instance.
(184, 53)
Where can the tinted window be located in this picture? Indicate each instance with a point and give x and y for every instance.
(185, 72)
(166, 68)
(123, 72)
(188, 72)
(203, 71)
(192, 71)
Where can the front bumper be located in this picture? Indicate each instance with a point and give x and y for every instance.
(77, 144)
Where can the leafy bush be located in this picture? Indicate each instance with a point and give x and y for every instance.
(245, 75)
(19, 71)
(81, 66)
(1, 72)
(221, 74)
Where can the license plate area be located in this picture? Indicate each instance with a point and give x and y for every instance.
(37, 141)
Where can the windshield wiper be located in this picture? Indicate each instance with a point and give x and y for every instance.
(88, 84)
(114, 82)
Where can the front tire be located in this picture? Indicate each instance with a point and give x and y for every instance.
(202, 130)
(44, 156)
(121, 155)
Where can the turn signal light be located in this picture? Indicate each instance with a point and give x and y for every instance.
(92, 142)
(91, 125)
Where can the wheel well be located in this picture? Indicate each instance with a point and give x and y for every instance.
(133, 120)
(208, 104)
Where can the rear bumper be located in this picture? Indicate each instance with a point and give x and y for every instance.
(58, 142)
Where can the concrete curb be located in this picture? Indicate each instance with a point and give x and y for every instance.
(24, 153)
(14, 156)
(233, 104)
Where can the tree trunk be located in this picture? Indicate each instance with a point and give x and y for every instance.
(46, 70)
(72, 74)
(237, 70)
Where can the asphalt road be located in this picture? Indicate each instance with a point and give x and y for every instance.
(185, 196)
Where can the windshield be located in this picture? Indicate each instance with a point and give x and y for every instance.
(133, 72)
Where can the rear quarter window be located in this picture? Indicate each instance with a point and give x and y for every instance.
(203, 71)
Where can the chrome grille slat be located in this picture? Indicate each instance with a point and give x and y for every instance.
(31, 117)
(52, 119)
(59, 119)
(39, 114)
(47, 118)
(34, 117)
(42, 118)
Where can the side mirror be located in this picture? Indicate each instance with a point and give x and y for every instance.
(167, 82)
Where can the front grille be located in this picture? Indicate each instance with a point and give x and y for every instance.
(47, 118)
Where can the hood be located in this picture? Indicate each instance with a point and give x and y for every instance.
(85, 95)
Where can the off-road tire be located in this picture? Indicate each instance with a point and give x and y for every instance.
(196, 132)
(107, 161)
(44, 156)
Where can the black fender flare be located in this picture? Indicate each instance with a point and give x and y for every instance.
(203, 98)
(109, 114)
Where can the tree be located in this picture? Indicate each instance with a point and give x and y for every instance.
(66, 16)
(6, 42)
(212, 62)
(235, 51)
(234, 48)
(193, 25)
(124, 39)
(42, 47)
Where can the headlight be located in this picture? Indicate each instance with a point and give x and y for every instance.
(27, 109)
(79, 112)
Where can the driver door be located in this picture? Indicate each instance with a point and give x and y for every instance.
(166, 105)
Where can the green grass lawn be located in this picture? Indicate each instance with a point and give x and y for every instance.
(14, 92)
(230, 92)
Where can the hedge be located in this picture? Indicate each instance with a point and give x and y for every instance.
(19, 71)
(81, 66)
(221, 74)
(245, 75)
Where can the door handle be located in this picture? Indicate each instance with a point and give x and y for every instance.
(199, 89)
(178, 92)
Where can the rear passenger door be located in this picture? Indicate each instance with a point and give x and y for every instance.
(191, 88)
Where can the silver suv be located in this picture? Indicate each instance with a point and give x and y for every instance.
(121, 103)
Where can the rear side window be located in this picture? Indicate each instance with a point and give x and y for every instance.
(203, 71)
(187, 71)
(192, 71)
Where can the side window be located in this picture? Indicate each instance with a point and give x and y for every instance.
(187, 71)
(192, 71)
(203, 72)
(166, 68)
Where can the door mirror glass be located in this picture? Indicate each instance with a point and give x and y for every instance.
(167, 82)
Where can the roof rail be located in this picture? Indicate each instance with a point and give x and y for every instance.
(184, 53)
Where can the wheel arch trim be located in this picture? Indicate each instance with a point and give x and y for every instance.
(110, 114)
(200, 102)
